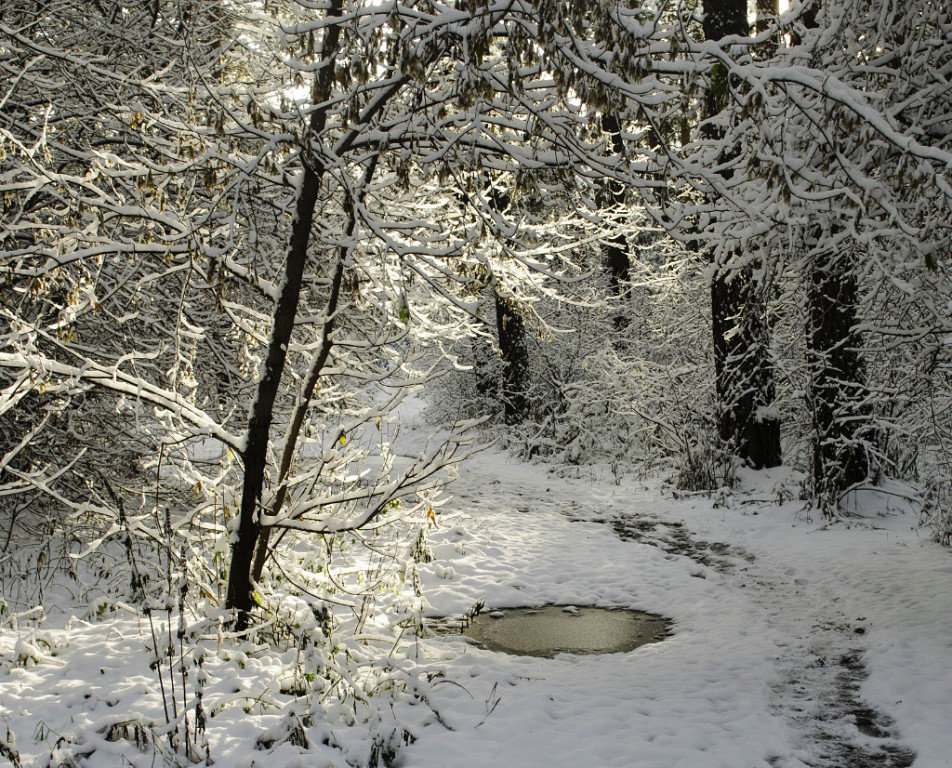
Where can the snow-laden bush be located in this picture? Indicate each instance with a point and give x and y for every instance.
(635, 393)
(328, 671)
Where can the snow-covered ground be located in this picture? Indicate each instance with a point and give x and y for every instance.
(794, 644)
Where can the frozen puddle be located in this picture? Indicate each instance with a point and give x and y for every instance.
(552, 629)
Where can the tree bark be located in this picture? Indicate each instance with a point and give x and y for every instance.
(725, 17)
(615, 250)
(515, 357)
(743, 375)
(485, 367)
(837, 386)
(511, 336)
(300, 412)
(767, 12)
(744, 383)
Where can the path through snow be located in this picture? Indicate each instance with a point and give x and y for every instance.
(793, 645)
(818, 687)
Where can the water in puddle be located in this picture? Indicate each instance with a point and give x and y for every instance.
(553, 629)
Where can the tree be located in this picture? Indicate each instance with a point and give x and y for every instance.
(441, 100)
(833, 200)
(103, 215)
(744, 379)
(837, 392)
(756, 192)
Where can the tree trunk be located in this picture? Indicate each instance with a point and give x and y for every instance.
(318, 361)
(725, 17)
(485, 367)
(615, 250)
(767, 12)
(255, 454)
(837, 384)
(515, 358)
(511, 335)
(262, 411)
(744, 382)
(743, 373)
(314, 371)
(837, 388)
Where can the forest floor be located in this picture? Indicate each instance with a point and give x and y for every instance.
(793, 643)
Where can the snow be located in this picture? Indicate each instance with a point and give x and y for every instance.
(789, 592)
(792, 640)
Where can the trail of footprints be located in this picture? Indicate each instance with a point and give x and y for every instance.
(818, 687)
(818, 683)
(821, 695)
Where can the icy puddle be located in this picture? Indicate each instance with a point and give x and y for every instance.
(552, 629)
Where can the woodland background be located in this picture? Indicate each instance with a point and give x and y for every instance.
(670, 237)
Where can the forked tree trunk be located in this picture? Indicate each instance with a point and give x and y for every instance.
(255, 453)
(262, 411)
(314, 371)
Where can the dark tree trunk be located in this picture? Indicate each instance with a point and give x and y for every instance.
(300, 413)
(618, 265)
(315, 369)
(767, 12)
(255, 454)
(484, 368)
(744, 382)
(511, 335)
(615, 250)
(259, 425)
(515, 358)
(837, 387)
(743, 373)
(725, 17)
